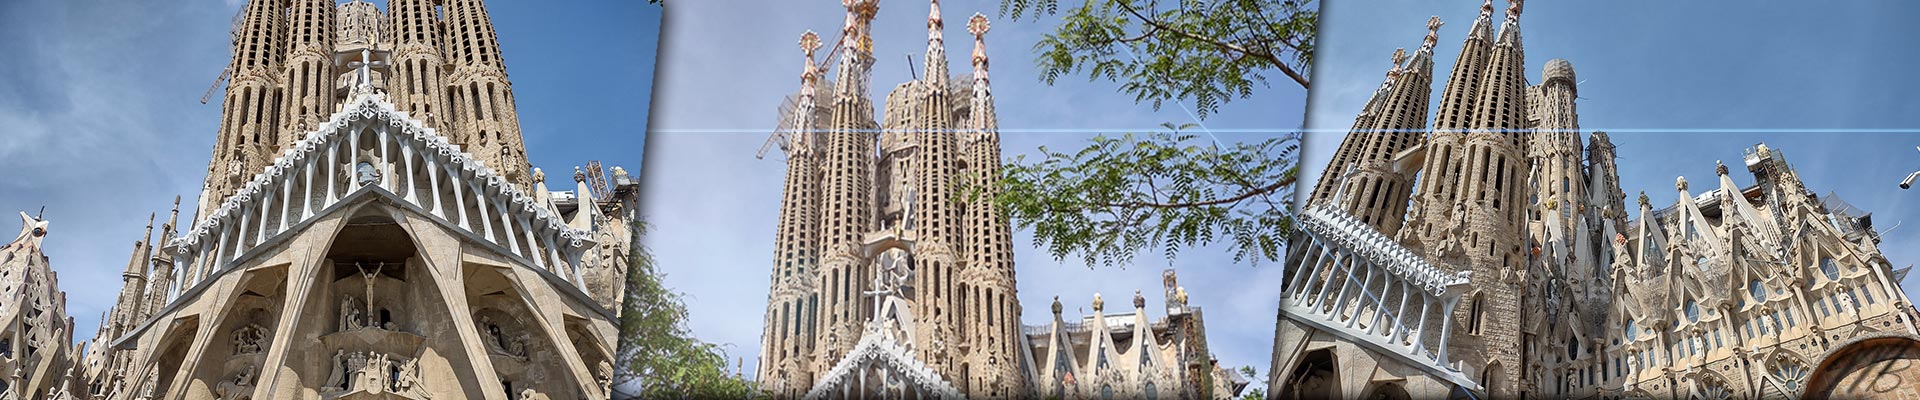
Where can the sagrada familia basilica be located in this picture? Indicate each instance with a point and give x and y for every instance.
(370, 228)
(889, 282)
(1493, 254)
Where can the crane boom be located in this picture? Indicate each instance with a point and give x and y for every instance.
(224, 72)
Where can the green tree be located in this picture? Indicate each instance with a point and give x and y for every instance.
(1169, 190)
(1172, 190)
(658, 355)
(1205, 51)
(1254, 393)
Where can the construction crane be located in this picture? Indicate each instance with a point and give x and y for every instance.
(597, 180)
(233, 37)
(224, 73)
(778, 137)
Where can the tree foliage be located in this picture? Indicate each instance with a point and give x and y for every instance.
(1209, 52)
(1171, 190)
(658, 356)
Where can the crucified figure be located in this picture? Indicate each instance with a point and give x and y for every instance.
(368, 276)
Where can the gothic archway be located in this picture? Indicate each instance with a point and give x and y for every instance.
(1316, 377)
(1873, 367)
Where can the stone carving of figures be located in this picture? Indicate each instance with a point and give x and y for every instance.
(408, 379)
(519, 345)
(350, 315)
(528, 394)
(365, 174)
(604, 373)
(492, 335)
(336, 380)
(373, 376)
(356, 370)
(249, 339)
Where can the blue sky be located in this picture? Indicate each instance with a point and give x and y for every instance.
(1679, 85)
(100, 119)
(726, 66)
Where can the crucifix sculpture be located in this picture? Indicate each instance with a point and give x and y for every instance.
(368, 278)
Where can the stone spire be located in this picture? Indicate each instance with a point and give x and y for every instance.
(1455, 114)
(162, 282)
(935, 226)
(990, 294)
(485, 121)
(250, 112)
(1363, 178)
(419, 82)
(308, 75)
(128, 309)
(846, 192)
(787, 340)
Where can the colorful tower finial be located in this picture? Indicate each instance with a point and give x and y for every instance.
(978, 26)
(1486, 9)
(1513, 9)
(934, 23)
(859, 24)
(809, 42)
(1433, 33)
(1399, 57)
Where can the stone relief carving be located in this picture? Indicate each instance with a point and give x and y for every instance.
(376, 373)
(250, 339)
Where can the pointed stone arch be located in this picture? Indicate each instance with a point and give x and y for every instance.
(1317, 376)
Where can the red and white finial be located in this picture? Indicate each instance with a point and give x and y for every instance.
(1513, 9)
(934, 23)
(809, 42)
(978, 26)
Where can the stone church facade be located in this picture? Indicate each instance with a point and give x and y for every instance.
(370, 228)
(890, 281)
(1493, 255)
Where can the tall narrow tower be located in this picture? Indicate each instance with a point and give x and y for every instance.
(845, 194)
(127, 310)
(160, 287)
(251, 108)
(481, 96)
(1558, 177)
(1372, 187)
(991, 304)
(1485, 203)
(308, 76)
(935, 215)
(792, 303)
(1446, 159)
(418, 83)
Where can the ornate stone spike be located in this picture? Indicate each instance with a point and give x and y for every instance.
(1433, 32)
(1513, 8)
(978, 26)
(1719, 168)
(809, 42)
(934, 23)
(1486, 8)
(1399, 56)
(1680, 183)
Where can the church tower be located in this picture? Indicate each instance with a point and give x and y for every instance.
(845, 193)
(308, 74)
(484, 118)
(128, 308)
(935, 224)
(991, 309)
(1364, 177)
(251, 107)
(418, 77)
(1558, 178)
(792, 304)
(1475, 191)
(1432, 206)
